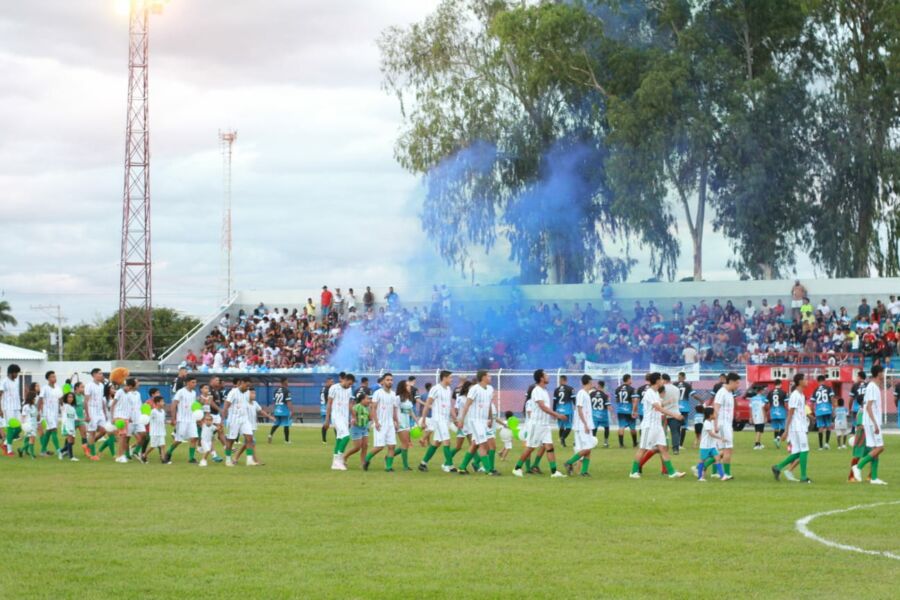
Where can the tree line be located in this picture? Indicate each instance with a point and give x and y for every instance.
(573, 128)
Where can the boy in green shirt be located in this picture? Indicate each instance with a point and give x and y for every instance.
(359, 429)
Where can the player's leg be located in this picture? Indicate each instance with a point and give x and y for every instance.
(405, 444)
(633, 427)
(273, 430)
(667, 462)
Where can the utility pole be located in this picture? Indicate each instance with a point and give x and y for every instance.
(54, 311)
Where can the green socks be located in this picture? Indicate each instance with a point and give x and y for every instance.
(369, 457)
(193, 451)
(552, 467)
(780, 466)
(448, 456)
(341, 445)
(389, 463)
(669, 468)
(875, 469)
(466, 460)
(635, 466)
(585, 464)
(527, 464)
(55, 439)
(519, 463)
(404, 455)
(93, 449)
(709, 461)
(170, 451)
(864, 461)
(727, 467)
(249, 451)
(44, 439)
(574, 459)
(803, 458)
(537, 461)
(476, 460)
(227, 453)
(428, 454)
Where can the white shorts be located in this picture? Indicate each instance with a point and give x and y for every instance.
(842, 430)
(136, 428)
(387, 436)
(97, 424)
(464, 432)
(653, 437)
(441, 429)
(341, 429)
(206, 447)
(479, 432)
(799, 441)
(873, 440)
(491, 432)
(185, 431)
(157, 440)
(429, 424)
(52, 420)
(727, 441)
(584, 441)
(539, 435)
(217, 420)
(237, 428)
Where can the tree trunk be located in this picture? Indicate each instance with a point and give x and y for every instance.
(697, 231)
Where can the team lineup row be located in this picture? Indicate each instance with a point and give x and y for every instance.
(467, 419)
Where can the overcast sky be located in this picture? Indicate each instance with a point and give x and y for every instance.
(317, 195)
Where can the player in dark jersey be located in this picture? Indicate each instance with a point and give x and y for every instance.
(719, 383)
(626, 410)
(685, 391)
(777, 411)
(323, 401)
(362, 391)
(600, 407)
(824, 400)
(857, 395)
(283, 410)
(564, 403)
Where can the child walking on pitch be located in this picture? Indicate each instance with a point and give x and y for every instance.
(708, 451)
(841, 424)
(29, 420)
(207, 433)
(653, 437)
(583, 425)
(68, 421)
(157, 430)
(359, 428)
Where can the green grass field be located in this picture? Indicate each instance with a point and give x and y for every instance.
(295, 529)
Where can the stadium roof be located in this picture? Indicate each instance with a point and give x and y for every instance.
(8, 352)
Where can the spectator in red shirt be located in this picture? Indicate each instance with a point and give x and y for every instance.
(326, 301)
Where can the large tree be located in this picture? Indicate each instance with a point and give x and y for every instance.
(506, 149)
(855, 213)
(6, 317)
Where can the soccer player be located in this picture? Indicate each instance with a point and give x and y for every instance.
(530, 412)
(600, 407)
(857, 396)
(95, 411)
(758, 415)
(797, 427)
(626, 410)
(122, 409)
(583, 426)
(724, 417)
(10, 406)
(460, 394)
(563, 398)
(670, 397)
(183, 419)
(653, 436)
(824, 399)
(337, 413)
(539, 434)
(217, 401)
(386, 418)
(872, 408)
(282, 411)
(777, 411)
(80, 421)
(708, 451)
(237, 405)
(477, 414)
(685, 393)
(437, 407)
(323, 401)
(407, 417)
(135, 428)
(48, 409)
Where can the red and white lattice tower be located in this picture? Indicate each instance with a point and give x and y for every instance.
(135, 298)
(226, 139)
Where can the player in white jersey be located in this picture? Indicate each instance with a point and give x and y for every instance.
(478, 416)
(123, 408)
(437, 410)
(796, 428)
(237, 403)
(653, 436)
(723, 416)
(48, 410)
(183, 421)
(583, 426)
(539, 434)
(207, 433)
(459, 400)
(872, 413)
(157, 429)
(10, 407)
(95, 411)
(386, 418)
(337, 413)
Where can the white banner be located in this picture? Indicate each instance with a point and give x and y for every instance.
(691, 371)
(613, 371)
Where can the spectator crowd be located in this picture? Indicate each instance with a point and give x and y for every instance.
(365, 333)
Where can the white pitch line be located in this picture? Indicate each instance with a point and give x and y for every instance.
(801, 526)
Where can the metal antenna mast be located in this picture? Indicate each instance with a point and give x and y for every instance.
(226, 139)
(135, 268)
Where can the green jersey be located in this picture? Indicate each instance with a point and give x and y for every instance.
(361, 413)
(79, 406)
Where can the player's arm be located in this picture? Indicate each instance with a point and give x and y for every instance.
(672, 415)
(871, 414)
(490, 421)
(465, 411)
(328, 412)
(426, 406)
(715, 418)
(543, 406)
(374, 412)
(288, 403)
(787, 422)
(396, 416)
(584, 421)
(634, 406)
(174, 408)
(40, 405)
